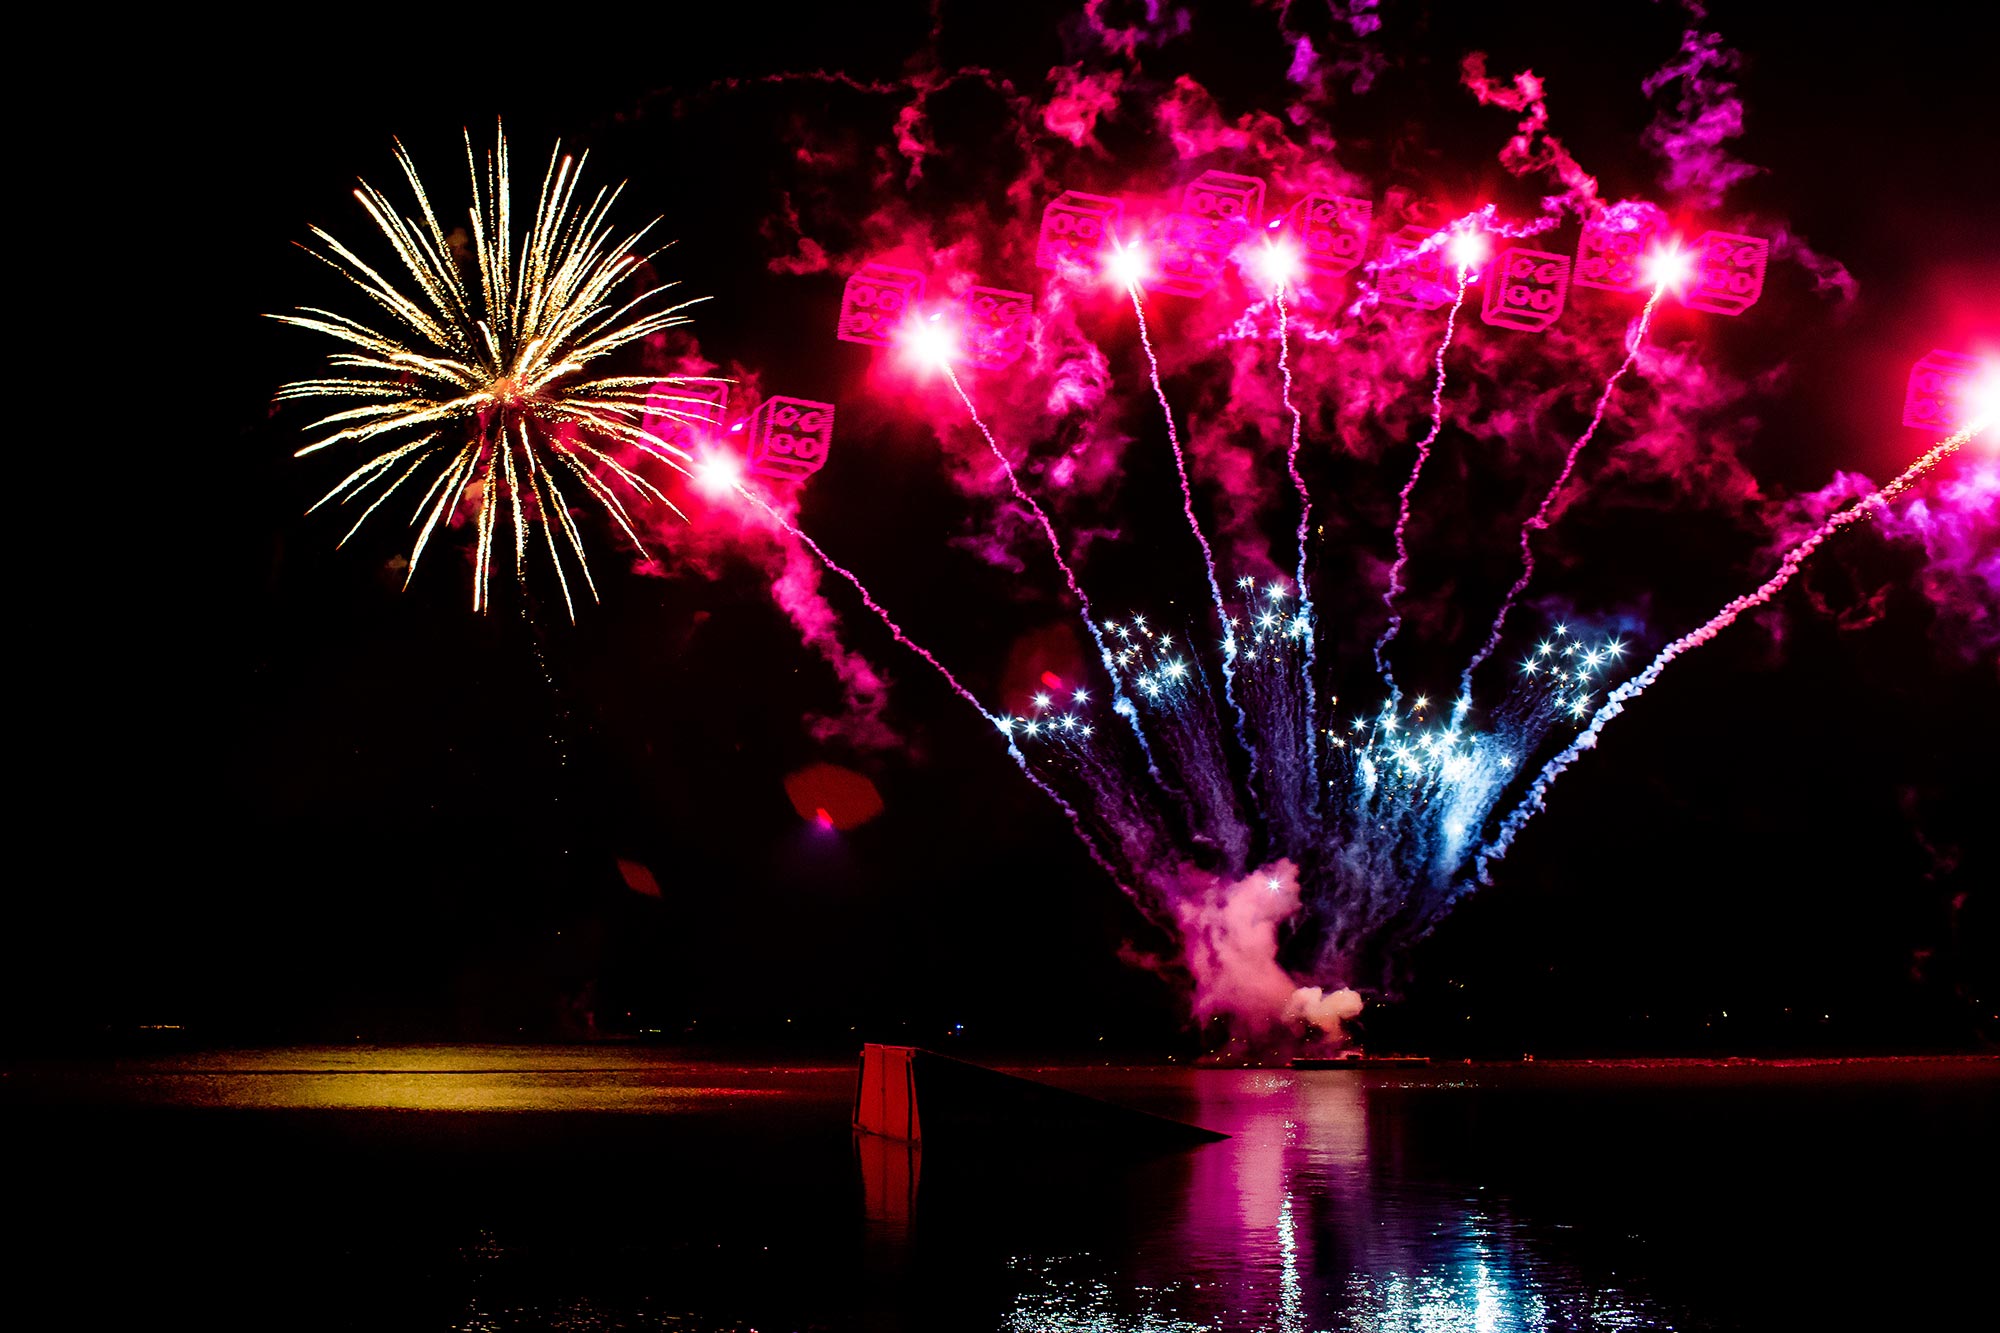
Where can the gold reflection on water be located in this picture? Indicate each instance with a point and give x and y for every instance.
(438, 1078)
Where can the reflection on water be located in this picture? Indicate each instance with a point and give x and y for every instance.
(1056, 1297)
(502, 1190)
(425, 1078)
(1290, 1226)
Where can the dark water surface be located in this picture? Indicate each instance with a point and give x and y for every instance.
(481, 1188)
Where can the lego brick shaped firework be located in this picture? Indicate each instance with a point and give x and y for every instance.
(1410, 275)
(1939, 395)
(1727, 275)
(1331, 232)
(1611, 253)
(1076, 228)
(997, 324)
(1525, 290)
(1226, 198)
(875, 301)
(789, 438)
(1188, 253)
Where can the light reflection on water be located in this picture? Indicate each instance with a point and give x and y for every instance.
(503, 1190)
(1289, 1227)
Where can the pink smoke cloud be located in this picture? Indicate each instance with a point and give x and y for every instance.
(1160, 23)
(720, 532)
(807, 256)
(1690, 133)
(1532, 150)
(1956, 527)
(1830, 276)
(1681, 438)
(1230, 939)
(1353, 61)
(797, 591)
(1077, 101)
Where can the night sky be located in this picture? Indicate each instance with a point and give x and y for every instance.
(270, 796)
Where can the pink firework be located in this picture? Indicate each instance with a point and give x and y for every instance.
(1525, 290)
(1611, 252)
(1077, 230)
(1728, 272)
(790, 437)
(1943, 391)
(1332, 231)
(875, 303)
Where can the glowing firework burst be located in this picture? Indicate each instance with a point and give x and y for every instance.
(472, 385)
(1290, 846)
(1236, 795)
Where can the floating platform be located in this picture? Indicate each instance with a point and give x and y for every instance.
(912, 1095)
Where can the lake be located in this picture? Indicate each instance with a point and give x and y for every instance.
(518, 1188)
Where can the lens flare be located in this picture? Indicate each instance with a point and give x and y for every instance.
(1127, 265)
(1983, 408)
(1667, 267)
(718, 472)
(930, 341)
(1469, 249)
(1276, 264)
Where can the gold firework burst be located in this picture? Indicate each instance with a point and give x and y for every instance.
(471, 385)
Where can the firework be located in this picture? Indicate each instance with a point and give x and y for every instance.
(1259, 794)
(1121, 704)
(1126, 266)
(1280, 265)
(1237, 797)
(1868, 506)
(1670, 268)
(1395, 588)
(1373, 840)
(473, 383)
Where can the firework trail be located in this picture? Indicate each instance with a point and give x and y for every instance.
(1004, 724)
(1187, 491)
(868, 600)
(1305, 523)
(1403, 500)
(1536, 797)
(1539, 520)
(1122, 705)
(1076, 824)
(476, 374)
(1194, 525)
